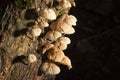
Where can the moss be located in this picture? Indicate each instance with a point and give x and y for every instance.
(23, 3)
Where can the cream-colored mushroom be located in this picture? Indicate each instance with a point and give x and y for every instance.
(70, 20)
(48, 13)
(62, 27)
(65, 4)
(55, 54)
(36, 32)
(50, 68)
(44, 24)
(61, 45)
(66, 61)
(47, 47)
(53, 35)
(32, 58)
(64, 39)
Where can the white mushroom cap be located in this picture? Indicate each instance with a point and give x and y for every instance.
(65, 4)
(66, 61)
(36, 32)
(61, 45)
(64, 39)
(49, 14)
(50, 68)
(47, 47)
(44, 24)
(53, 35)
(70, 20)
(62, 27)
(55, 54)
(32, 58)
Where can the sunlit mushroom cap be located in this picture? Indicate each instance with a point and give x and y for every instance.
(71, 20)
(53, 35)
(50, 68)
(66, 61)
(55, 54)
(36, 32)
(44, 24)
(61, 45)
(62, 27)
(32, 58)
(64, 39)
(48, 13)
(47, 47)
(65, 4)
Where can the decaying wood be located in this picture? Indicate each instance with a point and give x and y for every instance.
(15, 45)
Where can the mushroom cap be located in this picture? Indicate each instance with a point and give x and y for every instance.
(61, 45)
(53, 35)
(32, 58)
(47, 47)
(70, 20)
(36, 32)
(44, 24)
(65, 4)
(62, 27)
(66, 61)
(55, 54)
(49, 14)
(50, 68)
(64, 39)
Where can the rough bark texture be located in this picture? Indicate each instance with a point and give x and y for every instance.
(16, 45)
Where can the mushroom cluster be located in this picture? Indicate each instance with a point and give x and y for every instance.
(56, 19)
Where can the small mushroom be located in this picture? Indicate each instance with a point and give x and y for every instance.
(47, 47)
(55, 54)
(32, 58)
(64, 39)
(65, 4)
(66, 61)
(50, 68)
(70, 20)
(62, 27)
(44, 24)
(36, 32)
(61, 45)
(53, 35)
(48, 13)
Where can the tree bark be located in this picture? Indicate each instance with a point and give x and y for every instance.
(16, 45)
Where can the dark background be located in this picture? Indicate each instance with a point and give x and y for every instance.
(95, 47)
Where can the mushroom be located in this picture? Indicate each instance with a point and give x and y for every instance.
(61, 45)
(53, 35)
(50, 68)
(66, 61)
(70, 20)
(64, 39)
(55, 54)
(44, 24)
(47, 47)
(36, 32)
(48, 13)
(62, 27)
(32, 58)
(65, 4)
